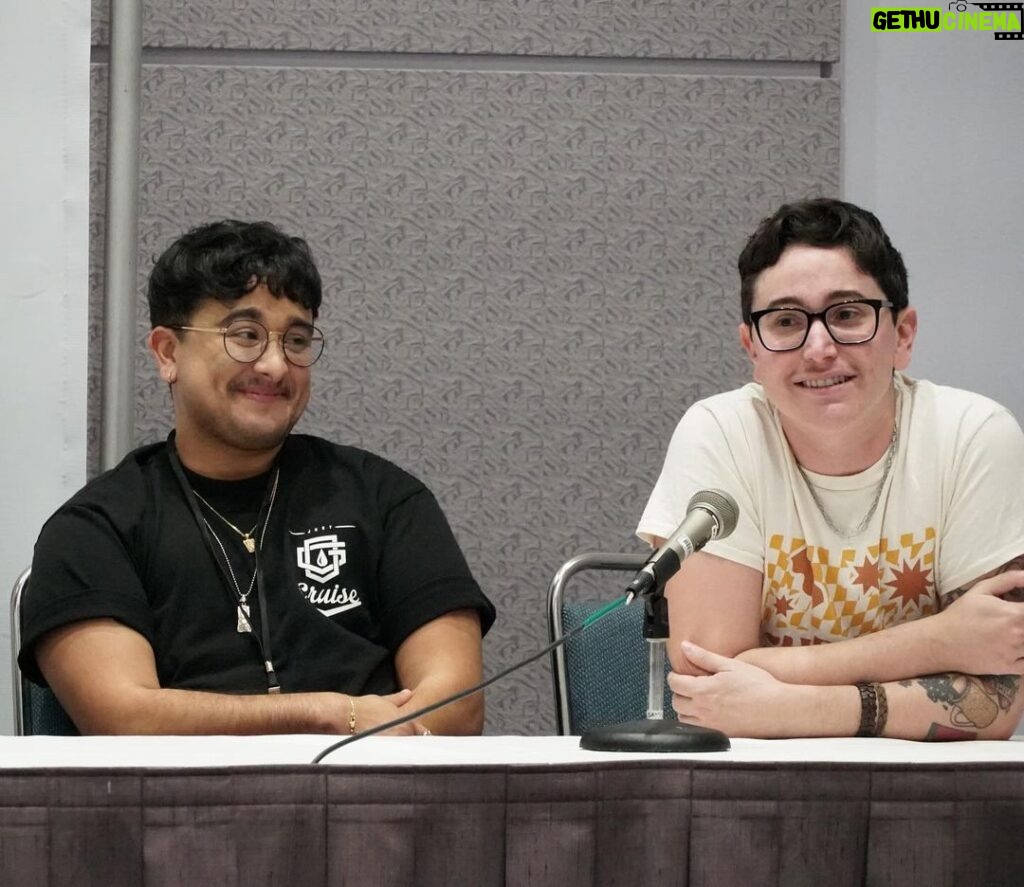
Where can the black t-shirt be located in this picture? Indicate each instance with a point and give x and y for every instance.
(356, 555)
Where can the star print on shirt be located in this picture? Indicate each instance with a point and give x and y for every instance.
(812, 594)
(911, 583)
(868, 574)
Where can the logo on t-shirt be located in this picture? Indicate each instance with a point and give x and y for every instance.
(321, 558)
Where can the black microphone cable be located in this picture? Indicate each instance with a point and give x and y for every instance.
(462, 694)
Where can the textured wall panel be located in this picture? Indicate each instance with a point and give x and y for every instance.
(528, 278)
(97, 243)
(724, 29)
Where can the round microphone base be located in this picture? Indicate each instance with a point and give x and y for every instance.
(654, 736)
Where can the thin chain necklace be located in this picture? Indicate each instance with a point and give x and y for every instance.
(247, 538)
(890, 455)
(243, 624)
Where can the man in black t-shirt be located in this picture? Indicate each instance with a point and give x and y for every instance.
(238, 578)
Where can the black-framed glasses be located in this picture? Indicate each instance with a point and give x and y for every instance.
(246, 340)
(852, 322)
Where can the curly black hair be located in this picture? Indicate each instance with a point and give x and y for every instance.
(225, 261)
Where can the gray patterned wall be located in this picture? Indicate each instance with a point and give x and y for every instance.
(526, 216)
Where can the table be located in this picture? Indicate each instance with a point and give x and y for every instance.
(507, 810)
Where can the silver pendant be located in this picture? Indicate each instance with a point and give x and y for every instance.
(244, 625)
(249, 543)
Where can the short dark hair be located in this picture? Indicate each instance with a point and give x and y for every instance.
(226, 261)
(824, 222)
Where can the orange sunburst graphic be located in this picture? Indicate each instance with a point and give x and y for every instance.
(911, 584)
(868, 574)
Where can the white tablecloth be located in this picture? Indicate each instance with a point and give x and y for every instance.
(228, 751)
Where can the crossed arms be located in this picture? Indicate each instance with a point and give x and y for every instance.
(954, 675)
(105, 676)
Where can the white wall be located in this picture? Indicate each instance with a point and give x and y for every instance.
(44, 201)
(933, 142)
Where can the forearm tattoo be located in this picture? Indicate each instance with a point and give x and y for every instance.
(1016, 594)
(972, 702)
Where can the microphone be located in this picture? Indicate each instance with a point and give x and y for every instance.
(710, 514)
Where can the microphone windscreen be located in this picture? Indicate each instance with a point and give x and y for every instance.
(721, 505)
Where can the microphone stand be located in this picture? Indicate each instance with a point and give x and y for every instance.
(655, 733)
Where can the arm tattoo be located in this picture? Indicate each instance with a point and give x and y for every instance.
(950, 596)
(1017, 595)
(938, 733)
(973, 702)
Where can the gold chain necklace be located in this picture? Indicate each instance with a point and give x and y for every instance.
(247, 538)
(243, 624)
(890, 455)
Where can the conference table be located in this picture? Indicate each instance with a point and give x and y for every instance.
(496, 810)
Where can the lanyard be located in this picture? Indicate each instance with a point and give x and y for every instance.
(262, 643)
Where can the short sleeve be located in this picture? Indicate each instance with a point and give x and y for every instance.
(423, 573)
(984, 510)
(703, 454)
(81, 570)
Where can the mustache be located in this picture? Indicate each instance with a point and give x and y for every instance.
(261, 386)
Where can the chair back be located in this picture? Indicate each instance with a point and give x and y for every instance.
(36, 709)
(600, 676)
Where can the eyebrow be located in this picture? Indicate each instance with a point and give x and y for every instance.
(255, 314)
(830, 299)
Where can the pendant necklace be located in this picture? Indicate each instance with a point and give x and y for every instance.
(243, 625)
(247, 538)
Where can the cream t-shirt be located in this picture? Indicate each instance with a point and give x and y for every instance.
(950, 510)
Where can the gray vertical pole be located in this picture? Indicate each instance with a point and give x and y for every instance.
(122, 215)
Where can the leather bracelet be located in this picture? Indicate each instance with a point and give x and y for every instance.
(883, 710)
(351, 716)
(868, 708)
